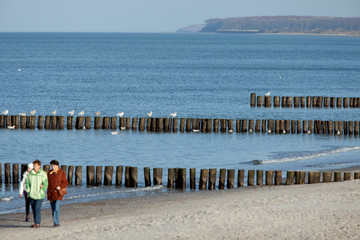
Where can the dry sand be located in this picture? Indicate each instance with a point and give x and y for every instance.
(316, 211)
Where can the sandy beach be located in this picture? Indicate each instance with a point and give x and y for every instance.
(317, 211)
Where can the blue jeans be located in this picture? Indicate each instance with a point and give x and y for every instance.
(55, 208)
(36, 208)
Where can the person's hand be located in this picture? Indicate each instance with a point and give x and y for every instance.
(58, 188)
(42, 185)
(21, 194)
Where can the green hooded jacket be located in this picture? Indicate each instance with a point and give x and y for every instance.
(33, 183)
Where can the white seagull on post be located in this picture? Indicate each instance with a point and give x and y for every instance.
(267, 94)
(173, 114)
(72, 112)
(149, 114)
(81, 113)
(120, 114)
(5, 112)
(53, 113)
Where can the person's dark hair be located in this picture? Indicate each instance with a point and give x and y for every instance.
(54, 162)
(37, 162)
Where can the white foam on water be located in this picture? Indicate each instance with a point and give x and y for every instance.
(311, 155)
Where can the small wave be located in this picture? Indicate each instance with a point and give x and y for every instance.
(307, 155)
(6, 199)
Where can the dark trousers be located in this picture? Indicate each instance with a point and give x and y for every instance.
(36, 208)
(27, 203)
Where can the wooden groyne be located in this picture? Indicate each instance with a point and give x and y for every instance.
(304, 101)
(196, 125)
(177, 177)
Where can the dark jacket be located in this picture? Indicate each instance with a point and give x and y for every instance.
(56, 179)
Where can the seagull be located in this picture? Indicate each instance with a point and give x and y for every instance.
(284, 131)
(149, 114)
(267, 94)
(19, 69)
(120, 114)
(338, 132)
(5, 112)
(32, 112)
(123, 128)
(250, 130)
(53, 113)
(308, 131)
(84, 127)
(97, 113)
(173, 114)
(81, 113)
(196, 130)
(269, 130)
(22, 114)
(231, 131)
(114, 133)
(11, 127)
(72, 112)
(281, 77)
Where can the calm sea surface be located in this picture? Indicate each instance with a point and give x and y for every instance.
(195, 75)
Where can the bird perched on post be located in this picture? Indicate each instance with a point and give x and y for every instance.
(149, 114)
(120, 114)
(97, 113)
(72, 112)
(32, 112)
(81, 113)
(267, 94)
(173, 114)
(53, 113)
(5, 112)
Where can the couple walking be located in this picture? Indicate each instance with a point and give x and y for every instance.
(36, 182)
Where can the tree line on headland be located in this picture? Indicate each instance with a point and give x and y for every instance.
(283, 24)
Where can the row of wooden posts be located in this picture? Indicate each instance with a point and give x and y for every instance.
(308, 101)
(188, 124)
(177, 176)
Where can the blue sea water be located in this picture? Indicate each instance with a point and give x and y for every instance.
(195, 75)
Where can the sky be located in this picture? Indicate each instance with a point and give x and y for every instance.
(151, 15)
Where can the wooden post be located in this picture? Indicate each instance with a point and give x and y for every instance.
(282, 126)
(127, 123)
(134, 124)
(298, 127)
(257, 125)
(332, 102)
(98, 176)
(216, 125)
(222, 178)
(119, 174)
(23, 168)
(276, 101)
(271, 126)
(78, 175)
(133, 175)
(181, 178)
(2, 121)
(23, 122)
(241, 175)
(69, 122)
(182, 124)
(287, 126)
(296, 102)
(61, 122)
(251, 125)
(87, 122)
(15, 121)
(300, 177)
(251, 176)
(310, 125)
(7, 173)
(188, 124)
(302, 102)
(290, 178)
(113, 121)
(142, 124)
(267, 101)
(263, 125)
(252, 99)
(122, 124)
(259, 177)
(289, 102)
(327, 176)
(330, 127)
(337, 177)
(238, 125)
(341, 126)
(347, 176)
(192, 178)
(127, 176)
(230, 125)
(319, 103)
(203, 125)
(105, 123)
(356, 175)
(314, 101)
(46, 168)
(108, 174)
(147, 177)
(64, 168)
(8, 121)
(283, 101)
(222, 125)
(230, 178)
(259, 101)
(356, 128)
(244, 125)
(278, 177)
(171, 177)
(269, 177)
(308, 101)
(277, 126)
(339, 102)
(345, 102)
(212, 179)
(31, 123)
(47, 122)
(79, 122)
(203, 179)
(326, 102)
(15, 173)
(313, 177)
(90, 172)
(157, 176)
(350, 128)
(175, 125)
(70, 175)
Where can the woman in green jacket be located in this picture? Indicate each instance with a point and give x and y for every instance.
(36, 185)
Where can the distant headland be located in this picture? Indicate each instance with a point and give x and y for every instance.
(349, 26)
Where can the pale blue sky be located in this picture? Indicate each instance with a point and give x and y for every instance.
(151, 15)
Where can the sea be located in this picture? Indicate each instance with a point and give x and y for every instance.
(195, 75)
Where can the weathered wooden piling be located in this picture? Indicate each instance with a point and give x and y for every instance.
(127, 123)
(230, 125)
(300, 177)
(222, 125)
(347, 176)
(308, 101)
(203, 179)
(7, 173)
(267, 101)
(171, 178)
(332, 102)
(302, 102)
(142, 124)
(47, 122)
(188, 124)
(257, 125)
(298, 126)
(90, 172)
(79, 122)
(182, 124)
(175, 124)
(251, 177)
(1, 174)
(78, 175)
(319, 102)
(314, 101)
(122, 124)
(64, 168)
(69, 122)
(339, 102)
(23, 122)
(326, 102)
(157, 176)
(263, 126)
(251, 125)
(105, 123)
(238, 125)
(244, 125)
(2, 121)
(313, 177)
(345, 102)
(203, 125)
(15, 173)
(283, 101)
(337, 177)
(8, 122)
(276, 101)
(290, 178)
(192, 173)
(216, 125)
(259, 177)
(278, 177)
(134, 123)
(230, 178)
(241, 176)
(289, 102)
(133, 177)
(277, 126)
(32, 122)
(356, 175)
(252, 99)
(287, 126)
(356, 128)
(147, 177)
(270, 126)
(23, 168)
(87, 122)
(70, 175)
(113, 124)
(212, 179)
(61, 122)
(127, 176)
(259, 101)
(296, 102)
(222, 176)
(118, 175)
(108, 174)
(180, 178)
(46, 168)
(269, 177)
(327, 176)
